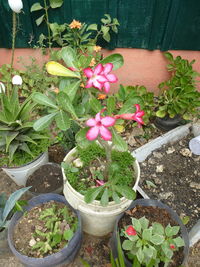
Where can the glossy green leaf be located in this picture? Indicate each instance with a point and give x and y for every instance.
(44, 122)
(36, 7)
(157, 239)
(81, 138)
(116, 59)
(95, 105)
(118, 141)
(39, 20)
(65, 102)
(92, 194)
(105, 199)
(62, 120)
(110, 105)
(43, 100)
(55, 3)
(69, 56)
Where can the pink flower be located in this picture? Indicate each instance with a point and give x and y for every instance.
(96, 79)
(100, 77)
(111, 78)
(99, 182)
(131, 231)
(172, 246)
(99, 126)
(137, 116)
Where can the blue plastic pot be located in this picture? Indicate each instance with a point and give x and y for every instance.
(154, 203)
(65, 255)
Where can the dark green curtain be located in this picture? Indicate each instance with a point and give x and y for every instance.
(149, 24)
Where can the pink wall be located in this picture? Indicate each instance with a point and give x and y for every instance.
(141, 66)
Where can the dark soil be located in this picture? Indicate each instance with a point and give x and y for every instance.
(24, 236)
(47, 178)
(56, 153)
(175, 173)
(153, 214)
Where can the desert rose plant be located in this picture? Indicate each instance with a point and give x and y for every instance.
(78, 100)
(150, 244)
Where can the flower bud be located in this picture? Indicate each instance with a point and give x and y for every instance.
(2, 88)
(15, 5)
(131, 231)
(17, 80)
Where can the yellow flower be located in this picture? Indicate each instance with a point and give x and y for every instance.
(97, 48)
(92, 62)
(75, 24)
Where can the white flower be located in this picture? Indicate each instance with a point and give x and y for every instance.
(17, 80)
(15, 5)
(2, 88)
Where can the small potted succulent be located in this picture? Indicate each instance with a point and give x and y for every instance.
(178, 98)
(151, 234)
(22, 149)
(115, 172)
(6, 211)
(48, 233)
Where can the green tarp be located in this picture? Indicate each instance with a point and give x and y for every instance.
(149, 24)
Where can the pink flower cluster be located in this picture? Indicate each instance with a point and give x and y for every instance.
(100, 77)
(100, 124)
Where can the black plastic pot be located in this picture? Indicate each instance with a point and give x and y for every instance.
(154, 203)
(65, 255)
(167, 123)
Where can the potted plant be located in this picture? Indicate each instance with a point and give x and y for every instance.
(178, 98)
(78, 101)
(6, 211)
(151, 234)
(48, 233)
(22, 148)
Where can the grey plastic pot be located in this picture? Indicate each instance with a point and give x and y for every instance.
(154, 203)
(65, 255)
(4, 248)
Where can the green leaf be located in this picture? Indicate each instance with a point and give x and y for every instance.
(9, 138)
(161, 113)
(172, 230)
(126, 191)
(69, 56)
(158, 228)
(95, 105)
(36, 7)
(12, 200)
(185, 219)
(24, 147)
(140, 255)
(116, 59)
(118, 141)
(55, 68)
(12, 149)
(147, 234)
(168, 56)
(39, 20)
(44, 122)
(144, 222)
(157, 239)
(70, 88)
(81, 138)
(43, 100)
(56, 3)
(148, 251)
(110, 105)
(106, 37)
(62, 120)
(116, 198)
(122, 93)
(104, 198)
(93, 193)
(66, 104)
(68, 234)
(179, 242)
(127, 245)
(92, 27)
(136, 224)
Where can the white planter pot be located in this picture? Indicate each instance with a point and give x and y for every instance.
(97, 220)
(20, 174)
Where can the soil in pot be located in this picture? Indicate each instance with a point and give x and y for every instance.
(47, 178)
(56, 153)
(175, 173)
(31, 231)
(153, 214)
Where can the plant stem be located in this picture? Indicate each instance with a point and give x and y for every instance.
(14, 25)
(108, 150)
(47, 22)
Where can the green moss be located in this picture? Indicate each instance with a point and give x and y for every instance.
(125, 175)
(21, 157)
(90, 153)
